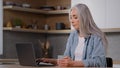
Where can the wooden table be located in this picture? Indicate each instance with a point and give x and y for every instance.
(19, 66)
(13, 63)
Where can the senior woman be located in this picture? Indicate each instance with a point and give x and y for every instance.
(86, 43)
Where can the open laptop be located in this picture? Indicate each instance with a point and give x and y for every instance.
(26, 55)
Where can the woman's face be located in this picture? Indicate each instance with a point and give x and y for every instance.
(74, 19)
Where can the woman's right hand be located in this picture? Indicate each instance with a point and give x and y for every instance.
(64, 62)
(47, 60)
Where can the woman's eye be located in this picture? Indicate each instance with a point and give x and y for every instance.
(75, 17)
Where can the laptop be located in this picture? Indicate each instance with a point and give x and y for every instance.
(26, 55)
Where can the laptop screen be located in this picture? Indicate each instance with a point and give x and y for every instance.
(26, 54)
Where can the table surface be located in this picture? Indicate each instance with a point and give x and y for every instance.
(19, 66)
(15, 64)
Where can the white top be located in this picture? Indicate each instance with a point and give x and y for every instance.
(79, 49)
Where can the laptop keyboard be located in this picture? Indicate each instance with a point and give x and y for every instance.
(45, 64)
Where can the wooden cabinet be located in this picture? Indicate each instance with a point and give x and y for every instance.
(40, 16)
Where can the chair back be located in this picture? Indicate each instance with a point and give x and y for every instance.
(109, 62)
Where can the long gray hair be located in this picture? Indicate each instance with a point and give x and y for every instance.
(87, 24)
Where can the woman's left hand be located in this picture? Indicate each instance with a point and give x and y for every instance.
(64, 62)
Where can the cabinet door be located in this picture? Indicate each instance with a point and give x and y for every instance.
(113, 13)
(97, 8)
(1, 23)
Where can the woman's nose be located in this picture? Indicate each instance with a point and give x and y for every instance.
(72, 21)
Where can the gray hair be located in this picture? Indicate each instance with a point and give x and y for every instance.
(87, 24)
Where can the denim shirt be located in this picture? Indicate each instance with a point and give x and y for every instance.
(93, 53)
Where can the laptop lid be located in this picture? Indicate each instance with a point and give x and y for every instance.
(26, 54)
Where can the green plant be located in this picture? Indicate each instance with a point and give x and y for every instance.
(17, 22)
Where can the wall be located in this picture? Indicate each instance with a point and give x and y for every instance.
(113, 13)
(57, 41)
(105, 12)
(11, 38)
(114, 45)
(97, 9)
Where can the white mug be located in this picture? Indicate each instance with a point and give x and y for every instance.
(46, 27)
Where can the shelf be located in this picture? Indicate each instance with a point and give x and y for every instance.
(111, 30)
(36, 10)
(37, 31)
(47, 12)
(8, 60)
(54, 31)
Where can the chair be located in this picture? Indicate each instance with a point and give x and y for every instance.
(109, 62)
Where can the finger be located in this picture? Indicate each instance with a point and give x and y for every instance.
(62, 61)
(66, 57)
(46, 60)
(63, 64)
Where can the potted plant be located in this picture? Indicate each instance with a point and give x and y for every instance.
(17, 23)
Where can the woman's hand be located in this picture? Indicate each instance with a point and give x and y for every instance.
(65, 62)
(47, 60)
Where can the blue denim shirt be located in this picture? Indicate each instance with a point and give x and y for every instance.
(93, 53)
